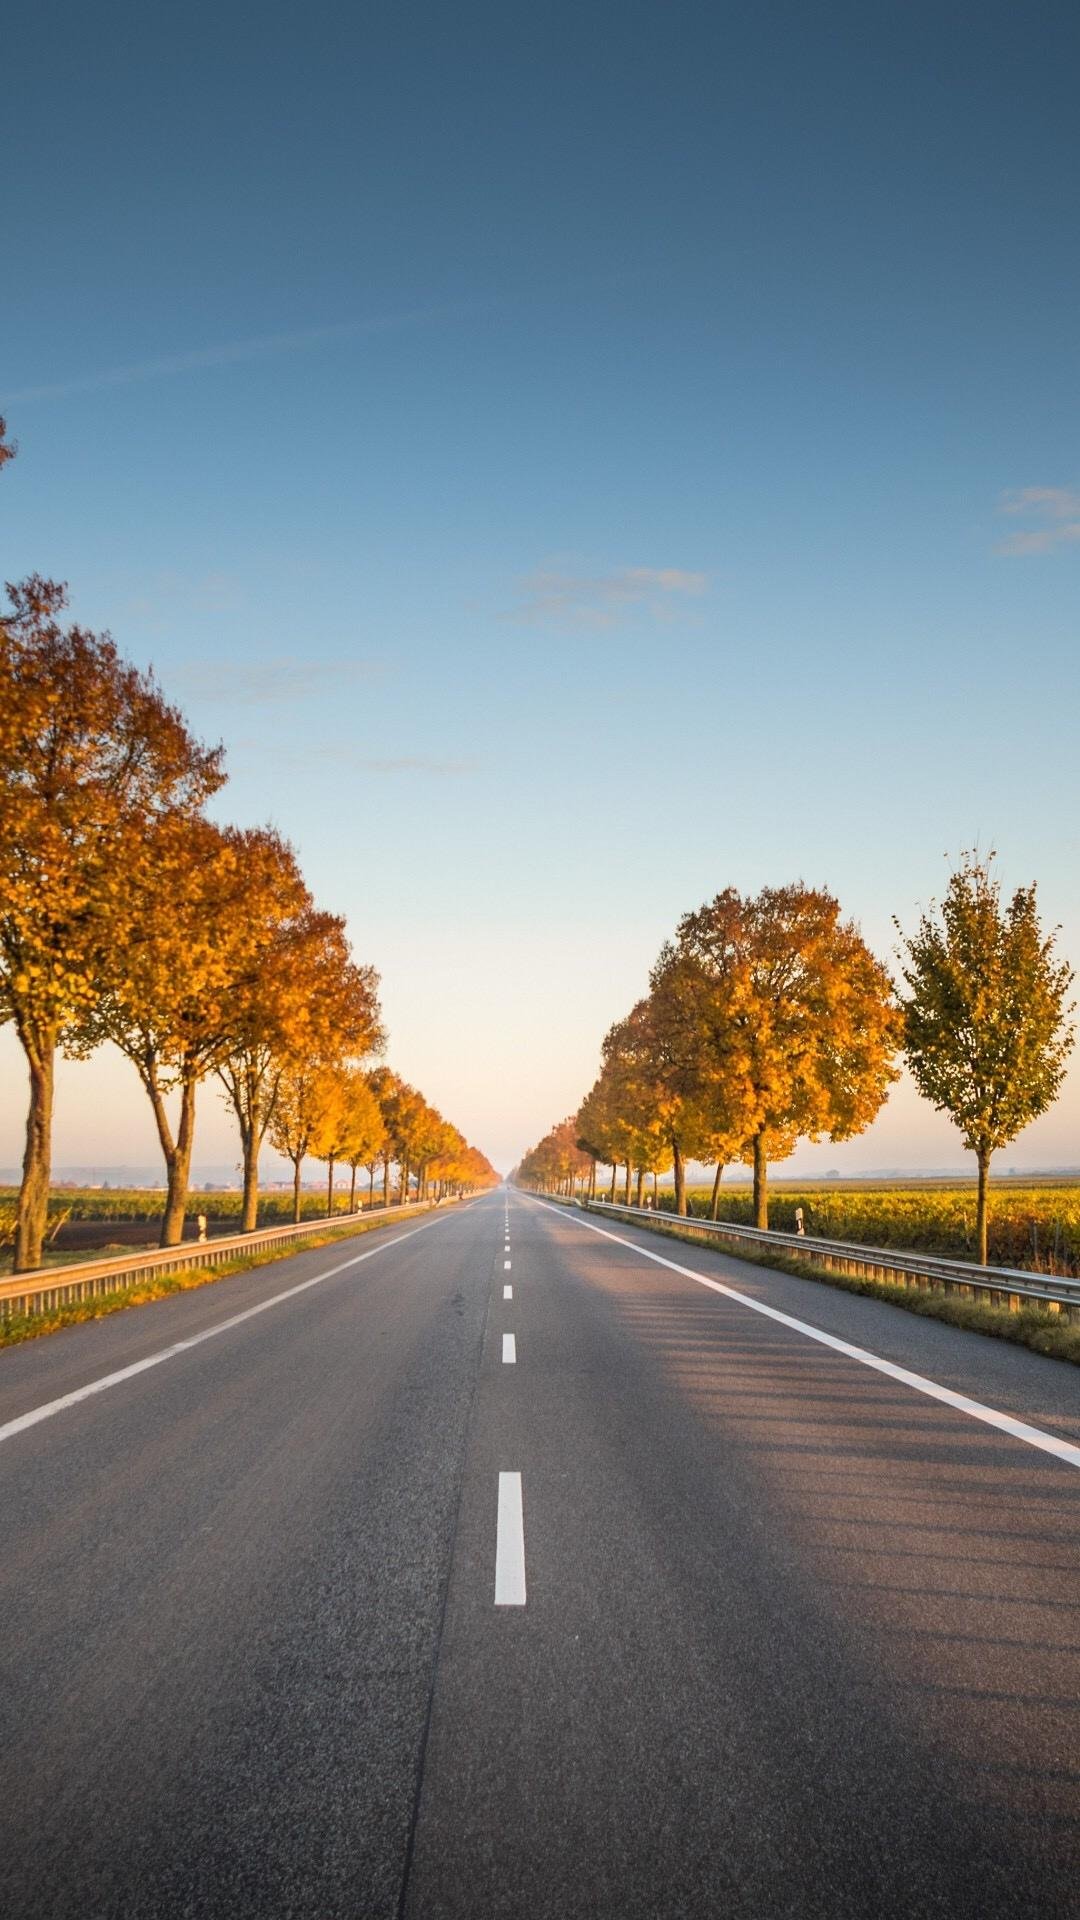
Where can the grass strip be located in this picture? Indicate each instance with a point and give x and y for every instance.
(30, 1326)
(1040, 1328)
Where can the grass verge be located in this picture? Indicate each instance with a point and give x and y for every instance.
(1037, 1327)
(30, 1326)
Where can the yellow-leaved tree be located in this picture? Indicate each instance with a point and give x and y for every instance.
(306, 1113)
(986, 1019)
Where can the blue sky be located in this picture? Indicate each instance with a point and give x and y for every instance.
(576, 459)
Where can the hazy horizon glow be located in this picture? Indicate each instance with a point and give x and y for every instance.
(576, 463)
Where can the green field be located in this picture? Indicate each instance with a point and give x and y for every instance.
(1031, 1225)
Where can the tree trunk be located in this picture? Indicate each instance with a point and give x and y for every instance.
(626, 1189)
(296, 1165)
(983, 1158)
(614, 1177)
(352, 1190)
(761, 1181)
(592, 1179)
(680, 1178)
(640, 1192)
(329, 1186)
(403, 1175)
(250, 1211)
(371, 1185)
(178, 1166)
(714, 1210)
(34, 1190)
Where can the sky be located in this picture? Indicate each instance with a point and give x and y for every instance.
(576, 459)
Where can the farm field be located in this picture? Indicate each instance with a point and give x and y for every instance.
(94, 1220)
(1034, 1225)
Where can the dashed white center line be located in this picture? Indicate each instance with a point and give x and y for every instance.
(506, 1266)
(509, 1350)
(508, 1293)
(510, 1544)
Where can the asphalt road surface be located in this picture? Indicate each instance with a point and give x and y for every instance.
(440, 1577)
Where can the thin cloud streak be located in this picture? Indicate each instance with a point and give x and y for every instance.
(268, 682)
(601, 600)
(239, 352)
(417, 763)
(382, 764)
(1056, 510)
(299, 340)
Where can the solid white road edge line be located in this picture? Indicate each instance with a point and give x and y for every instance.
(510, 1544)
(990, 1417)
(509, 1350)
(508, 1293)
(107, 1380)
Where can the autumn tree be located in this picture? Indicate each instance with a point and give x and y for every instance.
(986, 1029)
(93, 764)
(305, 999)
(330, 1140)
(385, 1084)
(365, 1132)
(350, 1128)
(305, 1113)
(655, 1095)
(203, 913)
(449, 1164)
(403, 1112)
(795, 1023)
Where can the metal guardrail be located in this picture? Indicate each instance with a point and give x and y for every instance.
(49, 1287)
(1005, 1286)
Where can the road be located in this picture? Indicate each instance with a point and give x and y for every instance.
(762, 1629)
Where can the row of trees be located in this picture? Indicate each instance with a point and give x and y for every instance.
(127, 915)
(375, 1121)
(769, 1020)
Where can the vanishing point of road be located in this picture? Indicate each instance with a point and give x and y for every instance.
(501, 1565)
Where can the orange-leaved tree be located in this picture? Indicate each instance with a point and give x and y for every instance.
(796, 1021)
(94, 763)
(305, 1000)
(201, 917)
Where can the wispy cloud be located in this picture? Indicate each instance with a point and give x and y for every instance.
(267, 346)
(415, 763)
(345, 758)
(599, 600)
(1053, 514)
(270, 682)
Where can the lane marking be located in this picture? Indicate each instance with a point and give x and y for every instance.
(506, 1266)
(51, 1407)
(508, 1293)
(510, 1544)
(509, 1350)
(975, 1410)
